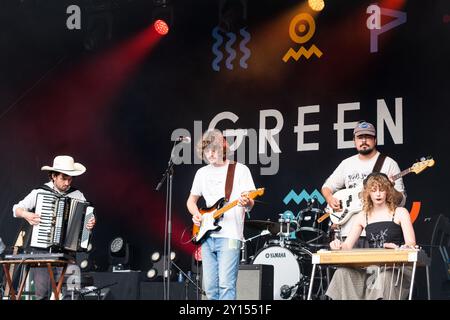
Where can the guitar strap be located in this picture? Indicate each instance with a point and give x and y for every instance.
(229, 180)
(379, 163)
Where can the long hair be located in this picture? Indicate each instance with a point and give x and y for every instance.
(381, 181)
(212, 138)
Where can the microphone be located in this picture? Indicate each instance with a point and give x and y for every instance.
(183, 139)
(285, 291)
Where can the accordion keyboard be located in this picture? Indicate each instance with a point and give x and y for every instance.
(41, 236)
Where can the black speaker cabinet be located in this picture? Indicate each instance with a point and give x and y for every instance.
(178, 291)
(122, 285)
(255, 282)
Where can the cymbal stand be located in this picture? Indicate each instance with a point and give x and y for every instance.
(284, 232)
(244, 245)
(243, 252)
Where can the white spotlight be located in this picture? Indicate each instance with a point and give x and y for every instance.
(152, 273)
(156, 256)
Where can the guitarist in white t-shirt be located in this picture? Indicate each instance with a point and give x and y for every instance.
(221, 247)
(353, 170)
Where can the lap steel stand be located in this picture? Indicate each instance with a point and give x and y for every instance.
(28, 264)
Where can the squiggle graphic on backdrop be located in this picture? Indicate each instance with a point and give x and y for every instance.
(219, 40)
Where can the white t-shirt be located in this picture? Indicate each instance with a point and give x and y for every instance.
(351, 173)
(29, 202)
(209, 183)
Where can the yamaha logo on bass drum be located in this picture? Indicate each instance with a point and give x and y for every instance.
(275, 255)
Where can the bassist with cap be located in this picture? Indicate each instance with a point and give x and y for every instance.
(352, 171)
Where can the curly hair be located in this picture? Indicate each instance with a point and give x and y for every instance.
(212, 138)
(381, 181)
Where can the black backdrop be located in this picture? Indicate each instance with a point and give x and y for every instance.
(117, 110)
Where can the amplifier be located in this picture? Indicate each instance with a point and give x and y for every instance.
(255, 282)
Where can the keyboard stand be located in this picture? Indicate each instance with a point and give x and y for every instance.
(28, 264)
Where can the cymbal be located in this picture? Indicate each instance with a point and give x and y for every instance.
(273, 227)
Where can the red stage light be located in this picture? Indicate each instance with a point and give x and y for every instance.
(161, 27)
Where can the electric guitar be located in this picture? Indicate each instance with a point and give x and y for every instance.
(349, 199)
(211, 216)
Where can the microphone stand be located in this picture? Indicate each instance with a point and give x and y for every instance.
(168, 175)
(188, 279)
(244, 245)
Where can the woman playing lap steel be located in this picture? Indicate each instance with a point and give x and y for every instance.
(387, 226)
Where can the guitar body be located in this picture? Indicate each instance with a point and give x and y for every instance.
(350, 204)
(209, 223)
(212, 215)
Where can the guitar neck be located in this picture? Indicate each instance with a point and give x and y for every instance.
(401, 174)
(225, 208)
(228, 206)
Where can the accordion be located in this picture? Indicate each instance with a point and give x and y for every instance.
(63, 223)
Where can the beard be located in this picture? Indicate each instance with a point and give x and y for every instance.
(365, 151)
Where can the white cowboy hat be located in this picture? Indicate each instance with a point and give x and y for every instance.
(66, 165)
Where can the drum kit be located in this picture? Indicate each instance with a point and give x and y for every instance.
(288, 247)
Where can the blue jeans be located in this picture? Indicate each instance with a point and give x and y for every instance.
(220, 262)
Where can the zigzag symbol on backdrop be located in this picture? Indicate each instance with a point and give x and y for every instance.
(303, 195)
(302, 52)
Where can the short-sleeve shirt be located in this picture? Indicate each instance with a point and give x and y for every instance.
(209, 183)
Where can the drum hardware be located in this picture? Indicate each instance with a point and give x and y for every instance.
(310, 231)
(272, 227)
(285, 230)
(244, 245)
(286, 291)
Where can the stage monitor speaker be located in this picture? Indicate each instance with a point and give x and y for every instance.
(178, 291)
(255, 282)
(122, 285)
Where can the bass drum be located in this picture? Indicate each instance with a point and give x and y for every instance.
(286, 269)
